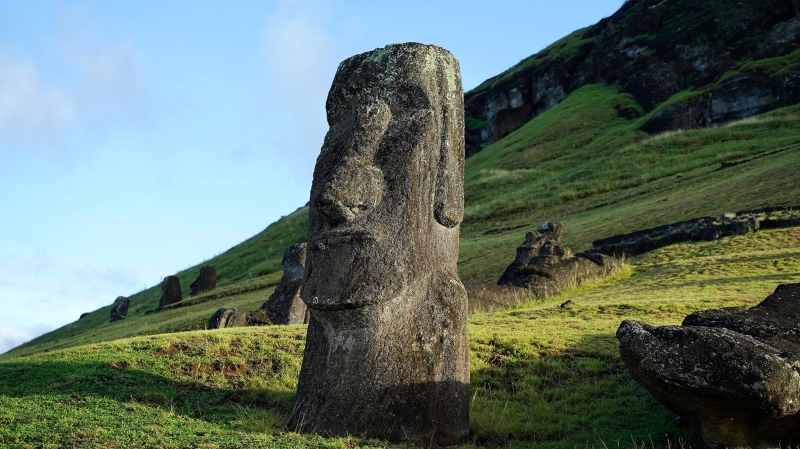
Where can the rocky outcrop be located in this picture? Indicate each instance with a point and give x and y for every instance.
(206, 281)
(387, 354)
(698, 229)
(225, 317)
(284, 305)
(653, 49)
(546, 268)
(733, 372)
(737, 98)
(119, 310)
(170, 291)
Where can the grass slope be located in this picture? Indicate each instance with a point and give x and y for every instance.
(578, 163)
(544, 375)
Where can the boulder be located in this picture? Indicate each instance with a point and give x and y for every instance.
(206, 281)
(546, 268)
(732, 372)
(170, 291)
(284, 305)
(387, 354)
(224, 317)
(119, 310)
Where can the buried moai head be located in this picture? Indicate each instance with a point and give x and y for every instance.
(387, 195)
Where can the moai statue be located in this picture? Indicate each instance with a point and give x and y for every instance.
(206, 281)
(386, 353)
(119, 310)
(170, 291)
(284, 305)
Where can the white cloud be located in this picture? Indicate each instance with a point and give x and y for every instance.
(301, 52)
(110, 81)
(11, 337)
(43, 293)
(92, 79)
(30, 109)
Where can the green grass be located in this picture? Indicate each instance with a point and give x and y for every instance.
(543, 375)
(578, 163)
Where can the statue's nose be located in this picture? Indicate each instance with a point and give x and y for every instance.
(354, 189)
(356, 185)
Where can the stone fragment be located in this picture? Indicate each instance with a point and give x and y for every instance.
(224, 317)
(119, 310)
(284, 305)
(546, 268)
(387, 352)
(170, 291)
(733, 372)
(206, 281)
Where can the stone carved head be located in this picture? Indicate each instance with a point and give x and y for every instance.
(387, 193)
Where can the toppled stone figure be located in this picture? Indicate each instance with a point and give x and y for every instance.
(386, 352)
(119, 310)
(546, 268)
(170, 291)
(734, 372)
(206, 281)
(284, 305)
(225, 317)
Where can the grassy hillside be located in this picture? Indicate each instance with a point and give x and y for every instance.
(578, 163)
(544, 375)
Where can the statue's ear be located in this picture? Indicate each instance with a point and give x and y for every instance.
(448, 205)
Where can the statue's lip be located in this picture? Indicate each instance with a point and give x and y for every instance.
(345, 235)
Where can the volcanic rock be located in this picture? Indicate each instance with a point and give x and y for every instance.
(386, 353)
(206, 281)
(119, 310)
(546, 268)
(224, 317)
(734, 371)
(170, 291)
(284, 305)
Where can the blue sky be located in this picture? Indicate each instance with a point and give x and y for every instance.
(140, 138)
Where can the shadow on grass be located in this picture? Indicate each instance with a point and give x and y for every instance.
(117, 381)
(582, 396)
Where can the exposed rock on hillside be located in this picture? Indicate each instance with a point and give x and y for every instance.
(546, 268)
(224, 317)
(285, 306)
(119, 310)
(733, 371)
(717, 50)
(206, 281)
(698, 229)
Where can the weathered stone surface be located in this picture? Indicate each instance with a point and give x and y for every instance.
(387, 352)
(733, 371)
(170, 291)
(698, 229)
(206, 281)
(284, 305)
(225, 317)
(119, 310)
(546, 268)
